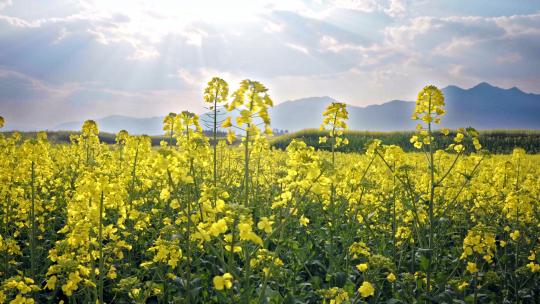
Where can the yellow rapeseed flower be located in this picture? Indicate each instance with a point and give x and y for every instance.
(224, 281)
(366, 289)
(515, 235)
(265, 225)
(304, 221)
(463, 285)
(471, 267)
(362, 267)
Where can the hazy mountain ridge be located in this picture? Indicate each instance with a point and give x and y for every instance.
(483, 106)
(115, 123)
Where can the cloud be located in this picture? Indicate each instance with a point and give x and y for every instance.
(5, 3)
(94, 58)
(194, 36)
(298, 47)
(393, 8)
(25, 100)
(17, 87)
(28, 101)
(487, 48)
(272, 27)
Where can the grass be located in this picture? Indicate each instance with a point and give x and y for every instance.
(495, 141)
(62, 137)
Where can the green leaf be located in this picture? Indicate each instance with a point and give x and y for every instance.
(424, 263)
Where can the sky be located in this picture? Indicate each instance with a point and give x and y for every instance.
(68, 60)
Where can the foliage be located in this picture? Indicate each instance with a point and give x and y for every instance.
(494, 141)
(123, 222)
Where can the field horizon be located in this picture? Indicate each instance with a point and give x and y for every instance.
(482, 105)
(495, 141)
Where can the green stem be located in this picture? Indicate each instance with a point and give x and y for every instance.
(33, 226)
(100, 241)
(215, 151)
(188, 250)
(133, 175)
(332, 193)
(246, 168)
(475, 295)
(516, 261)
(5, 274)
(171, 134)
(394, 222)
(431, 197)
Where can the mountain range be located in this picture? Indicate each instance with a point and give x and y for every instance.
(483, 106)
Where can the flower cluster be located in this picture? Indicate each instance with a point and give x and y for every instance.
(195, 220)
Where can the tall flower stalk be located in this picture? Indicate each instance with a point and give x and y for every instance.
(335, 122)
(252, 102)
(215, 93)
(429, 108)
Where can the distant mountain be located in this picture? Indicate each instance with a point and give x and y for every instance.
(299, 114)
(115, 123)
(19, 127)
(483, 107)
(487, 107)
(394, 115)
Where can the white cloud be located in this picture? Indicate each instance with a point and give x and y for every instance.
(365, 51)
(144, 54)
(467, 49)
(198, 78)
(188, 77)
(455, 46)
(474, 27)
(367, 6)
(5, 3)
(18, 22)
(329, 43)
(273, 27)
(393, 8)
(194, 36)
(519, 24)
(298, 47)
(401, 34)
(397, 8)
